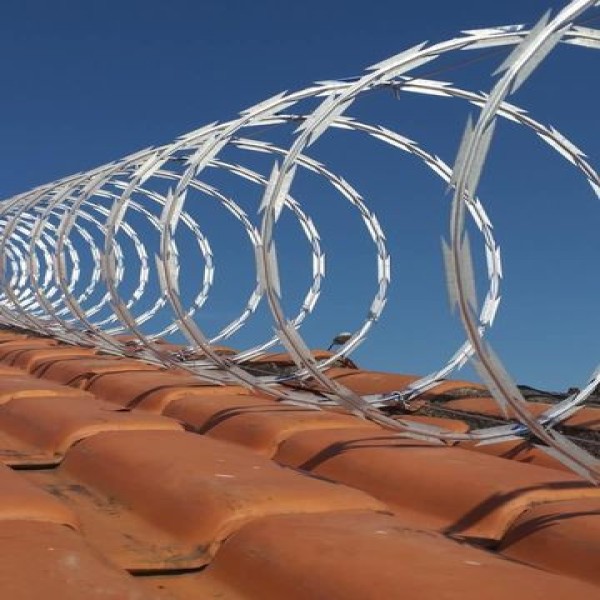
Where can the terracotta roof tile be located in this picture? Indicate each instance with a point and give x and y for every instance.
(78, 371)
(482, 494)
(14, 371)
(30, 360)
(152, 390)
(9, 336)
(257, 423)
(563, 537)
(378, 382)
(52, 562)
(361, 556)
(450, 424)
(487, 406)
(152, 498)
(585, 418)
(6, 348)
(25, 386)
(369, 382)
(20, 500)
(158, 401)
(38, 431)
(166, 499)
(450, 386)
(521, 451)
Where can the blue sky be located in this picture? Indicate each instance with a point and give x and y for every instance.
(87, 82)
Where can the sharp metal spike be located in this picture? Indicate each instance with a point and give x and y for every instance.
(467, 273)
(273, 270)
(401, 56)
(461, 156)
(527, 69)
(474, 172)
(266, 198)
(450, 278)
(516, 54)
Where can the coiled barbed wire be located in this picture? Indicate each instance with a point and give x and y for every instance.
(51, 286)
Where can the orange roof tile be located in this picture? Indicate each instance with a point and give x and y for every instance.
(369, 382)
(450, 424)
(481, 494)
(134, 489)
(361, 556)
(30, 360)
(24, 386)
(40, 430)
(20, 500)
(521, 451)
(166, 499)
(585, 418)
(15, 371)
(258, 423)
(9, 336)
(487, 406)
(378, 382)
(6, 348)
(560, 537)
(52, 562)
(78, 371)
(152, 389)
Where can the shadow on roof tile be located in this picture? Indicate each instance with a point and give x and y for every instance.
(563, 537)
(449, 424)
(30, 360)
(38, 431)
(7, 348)
(585, 418)
(166, 500)
(25, 386)
(152, 390)
(367, 382)
(463, 493)
(488, 407)
(257, 423)
(520, 451)
(9, 336)
(361, 556)
(78, 371)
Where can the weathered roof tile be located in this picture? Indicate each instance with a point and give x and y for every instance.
(152, 390)
(257, 423)
(563, 537)
(7, 348)
(38, 431)
(78, 371)
(52, 562)
(167, 499)
(463, 493)
(21, 500)
(30, 360)
(25, 386)
(361, 556)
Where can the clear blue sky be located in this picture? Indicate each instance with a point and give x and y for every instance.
(87, 82)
